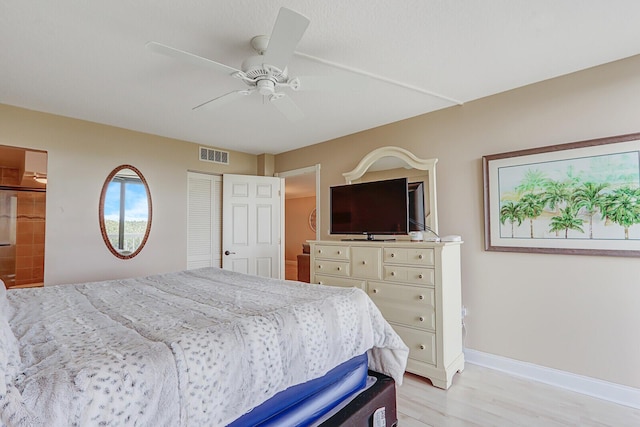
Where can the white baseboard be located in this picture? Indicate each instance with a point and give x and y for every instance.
(611, 392)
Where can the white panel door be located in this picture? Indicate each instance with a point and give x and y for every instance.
(204, 220)
(252, 209)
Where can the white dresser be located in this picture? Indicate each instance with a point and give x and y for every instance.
(416, 286)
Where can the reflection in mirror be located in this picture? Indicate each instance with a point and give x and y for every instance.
(125, 211)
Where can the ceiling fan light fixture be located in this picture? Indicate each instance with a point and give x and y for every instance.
(266, 87)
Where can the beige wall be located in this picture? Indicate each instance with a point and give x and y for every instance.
(81, 155)
(574, 313)
(297, 229)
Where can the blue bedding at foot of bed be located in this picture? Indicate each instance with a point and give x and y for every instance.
(303, 404)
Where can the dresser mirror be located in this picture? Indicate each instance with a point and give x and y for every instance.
(125, 211)
(395, 162)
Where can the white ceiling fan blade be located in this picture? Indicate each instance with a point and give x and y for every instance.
(189, 57)
(223, 100)
(287, 32)
(286, 106)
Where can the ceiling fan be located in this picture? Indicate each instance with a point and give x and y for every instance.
(265, 73)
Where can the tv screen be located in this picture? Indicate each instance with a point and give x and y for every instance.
(378, 207)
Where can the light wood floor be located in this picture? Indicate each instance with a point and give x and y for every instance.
(485, 397)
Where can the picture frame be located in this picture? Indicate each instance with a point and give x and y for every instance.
(579, 198)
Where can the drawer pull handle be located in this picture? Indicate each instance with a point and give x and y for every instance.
(421, 297)
(420, 276)
(319, 251)
(393, 255)
(339, 268)
(393, 273)
(339, 252)
(420, 256)
(320, 283)
(319, 267)
(422, 347)
(375, 291)
(364, 262)
(421, 319)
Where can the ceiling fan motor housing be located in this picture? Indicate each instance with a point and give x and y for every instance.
(255, 69)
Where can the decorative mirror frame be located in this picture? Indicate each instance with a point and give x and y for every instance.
(103, 229)
(312, 220)
(413, 162)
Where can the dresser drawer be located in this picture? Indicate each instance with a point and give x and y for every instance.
(340, 281)
(409, 305)
(331, 252)
(413, 256)
(365, 262)
(422, 345)
(337, 268)
(415, 275)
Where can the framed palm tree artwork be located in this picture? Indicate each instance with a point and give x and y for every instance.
(579, 198)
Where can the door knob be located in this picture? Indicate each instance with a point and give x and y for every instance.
(229, 253)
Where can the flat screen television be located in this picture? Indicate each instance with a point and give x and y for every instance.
(377, 207)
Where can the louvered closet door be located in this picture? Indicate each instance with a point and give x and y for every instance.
(204, 220)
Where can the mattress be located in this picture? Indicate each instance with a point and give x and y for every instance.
(198, 347)
(304, 404)
(375, 406)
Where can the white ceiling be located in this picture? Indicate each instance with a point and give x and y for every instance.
(87, 59)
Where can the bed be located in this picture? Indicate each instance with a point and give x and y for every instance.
(201, 347)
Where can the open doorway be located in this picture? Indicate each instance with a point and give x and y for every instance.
(23, 186)
(301, 216)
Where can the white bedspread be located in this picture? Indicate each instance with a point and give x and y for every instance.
(193, 348)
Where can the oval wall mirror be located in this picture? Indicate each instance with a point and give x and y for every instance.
(125, 211)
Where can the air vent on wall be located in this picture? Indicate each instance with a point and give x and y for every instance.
(214, 156)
